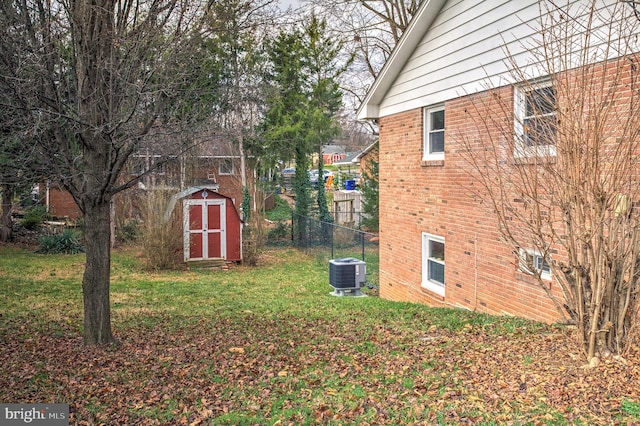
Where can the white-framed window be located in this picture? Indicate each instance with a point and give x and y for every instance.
(433, 263)
(225, 166)
(160, 168)
(534, 263)
(536, 120)
(433, 133)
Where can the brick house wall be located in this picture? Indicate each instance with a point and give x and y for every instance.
(330, 158)
(367, 159)
(453, 48)
(62, 204)
(439, 197)
(230, 183)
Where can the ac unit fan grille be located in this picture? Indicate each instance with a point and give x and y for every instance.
(347, 273)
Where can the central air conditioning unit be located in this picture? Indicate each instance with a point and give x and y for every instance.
(346, 276)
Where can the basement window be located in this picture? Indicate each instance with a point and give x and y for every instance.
(532, 262)
(433, 263)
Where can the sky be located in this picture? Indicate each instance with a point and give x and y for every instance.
(284, 4)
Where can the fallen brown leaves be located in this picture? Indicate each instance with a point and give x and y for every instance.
(290, 370)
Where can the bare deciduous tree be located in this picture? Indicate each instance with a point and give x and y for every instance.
(562, 174)
(19, 168)
(374, 28)
(95, 77)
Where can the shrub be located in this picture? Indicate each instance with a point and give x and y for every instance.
(253, 240)
(67, 242)
(371, 198)
(130, 231)
(34, 217)
(161, 237)
(282, 231)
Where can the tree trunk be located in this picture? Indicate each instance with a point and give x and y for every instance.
(95, 283)
(6, 227)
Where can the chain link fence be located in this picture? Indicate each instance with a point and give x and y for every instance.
(332, 241)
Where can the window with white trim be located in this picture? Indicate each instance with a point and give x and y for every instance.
(225, 166)
(433, 263)
(534, 263)
(160, 168)
(536, 120)
(433, 138)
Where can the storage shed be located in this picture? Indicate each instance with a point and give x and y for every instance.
(212, 227)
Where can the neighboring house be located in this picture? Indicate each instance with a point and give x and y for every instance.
(332, 154)
(59, 203)
(355, 163)
(347, 204)
(213, 162)
(349, 164)
(212, 168)
(438, 243)
(365, 157)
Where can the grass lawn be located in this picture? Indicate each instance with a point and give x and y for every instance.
(270, 345)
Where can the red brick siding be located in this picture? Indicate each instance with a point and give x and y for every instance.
(442, 198)
(62, 204)
(229, 185)
(481, 270)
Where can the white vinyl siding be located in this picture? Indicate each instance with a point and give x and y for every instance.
(463, 47)
(468, 47)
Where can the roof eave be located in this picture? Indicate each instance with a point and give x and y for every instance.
(420, 24)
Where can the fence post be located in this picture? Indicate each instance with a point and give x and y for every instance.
(333, 229)
(362, 239)
(293, 215)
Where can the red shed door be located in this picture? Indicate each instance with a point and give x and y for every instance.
(205, 229)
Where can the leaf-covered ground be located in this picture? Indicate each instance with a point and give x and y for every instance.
(288, 370)
(342, 362)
